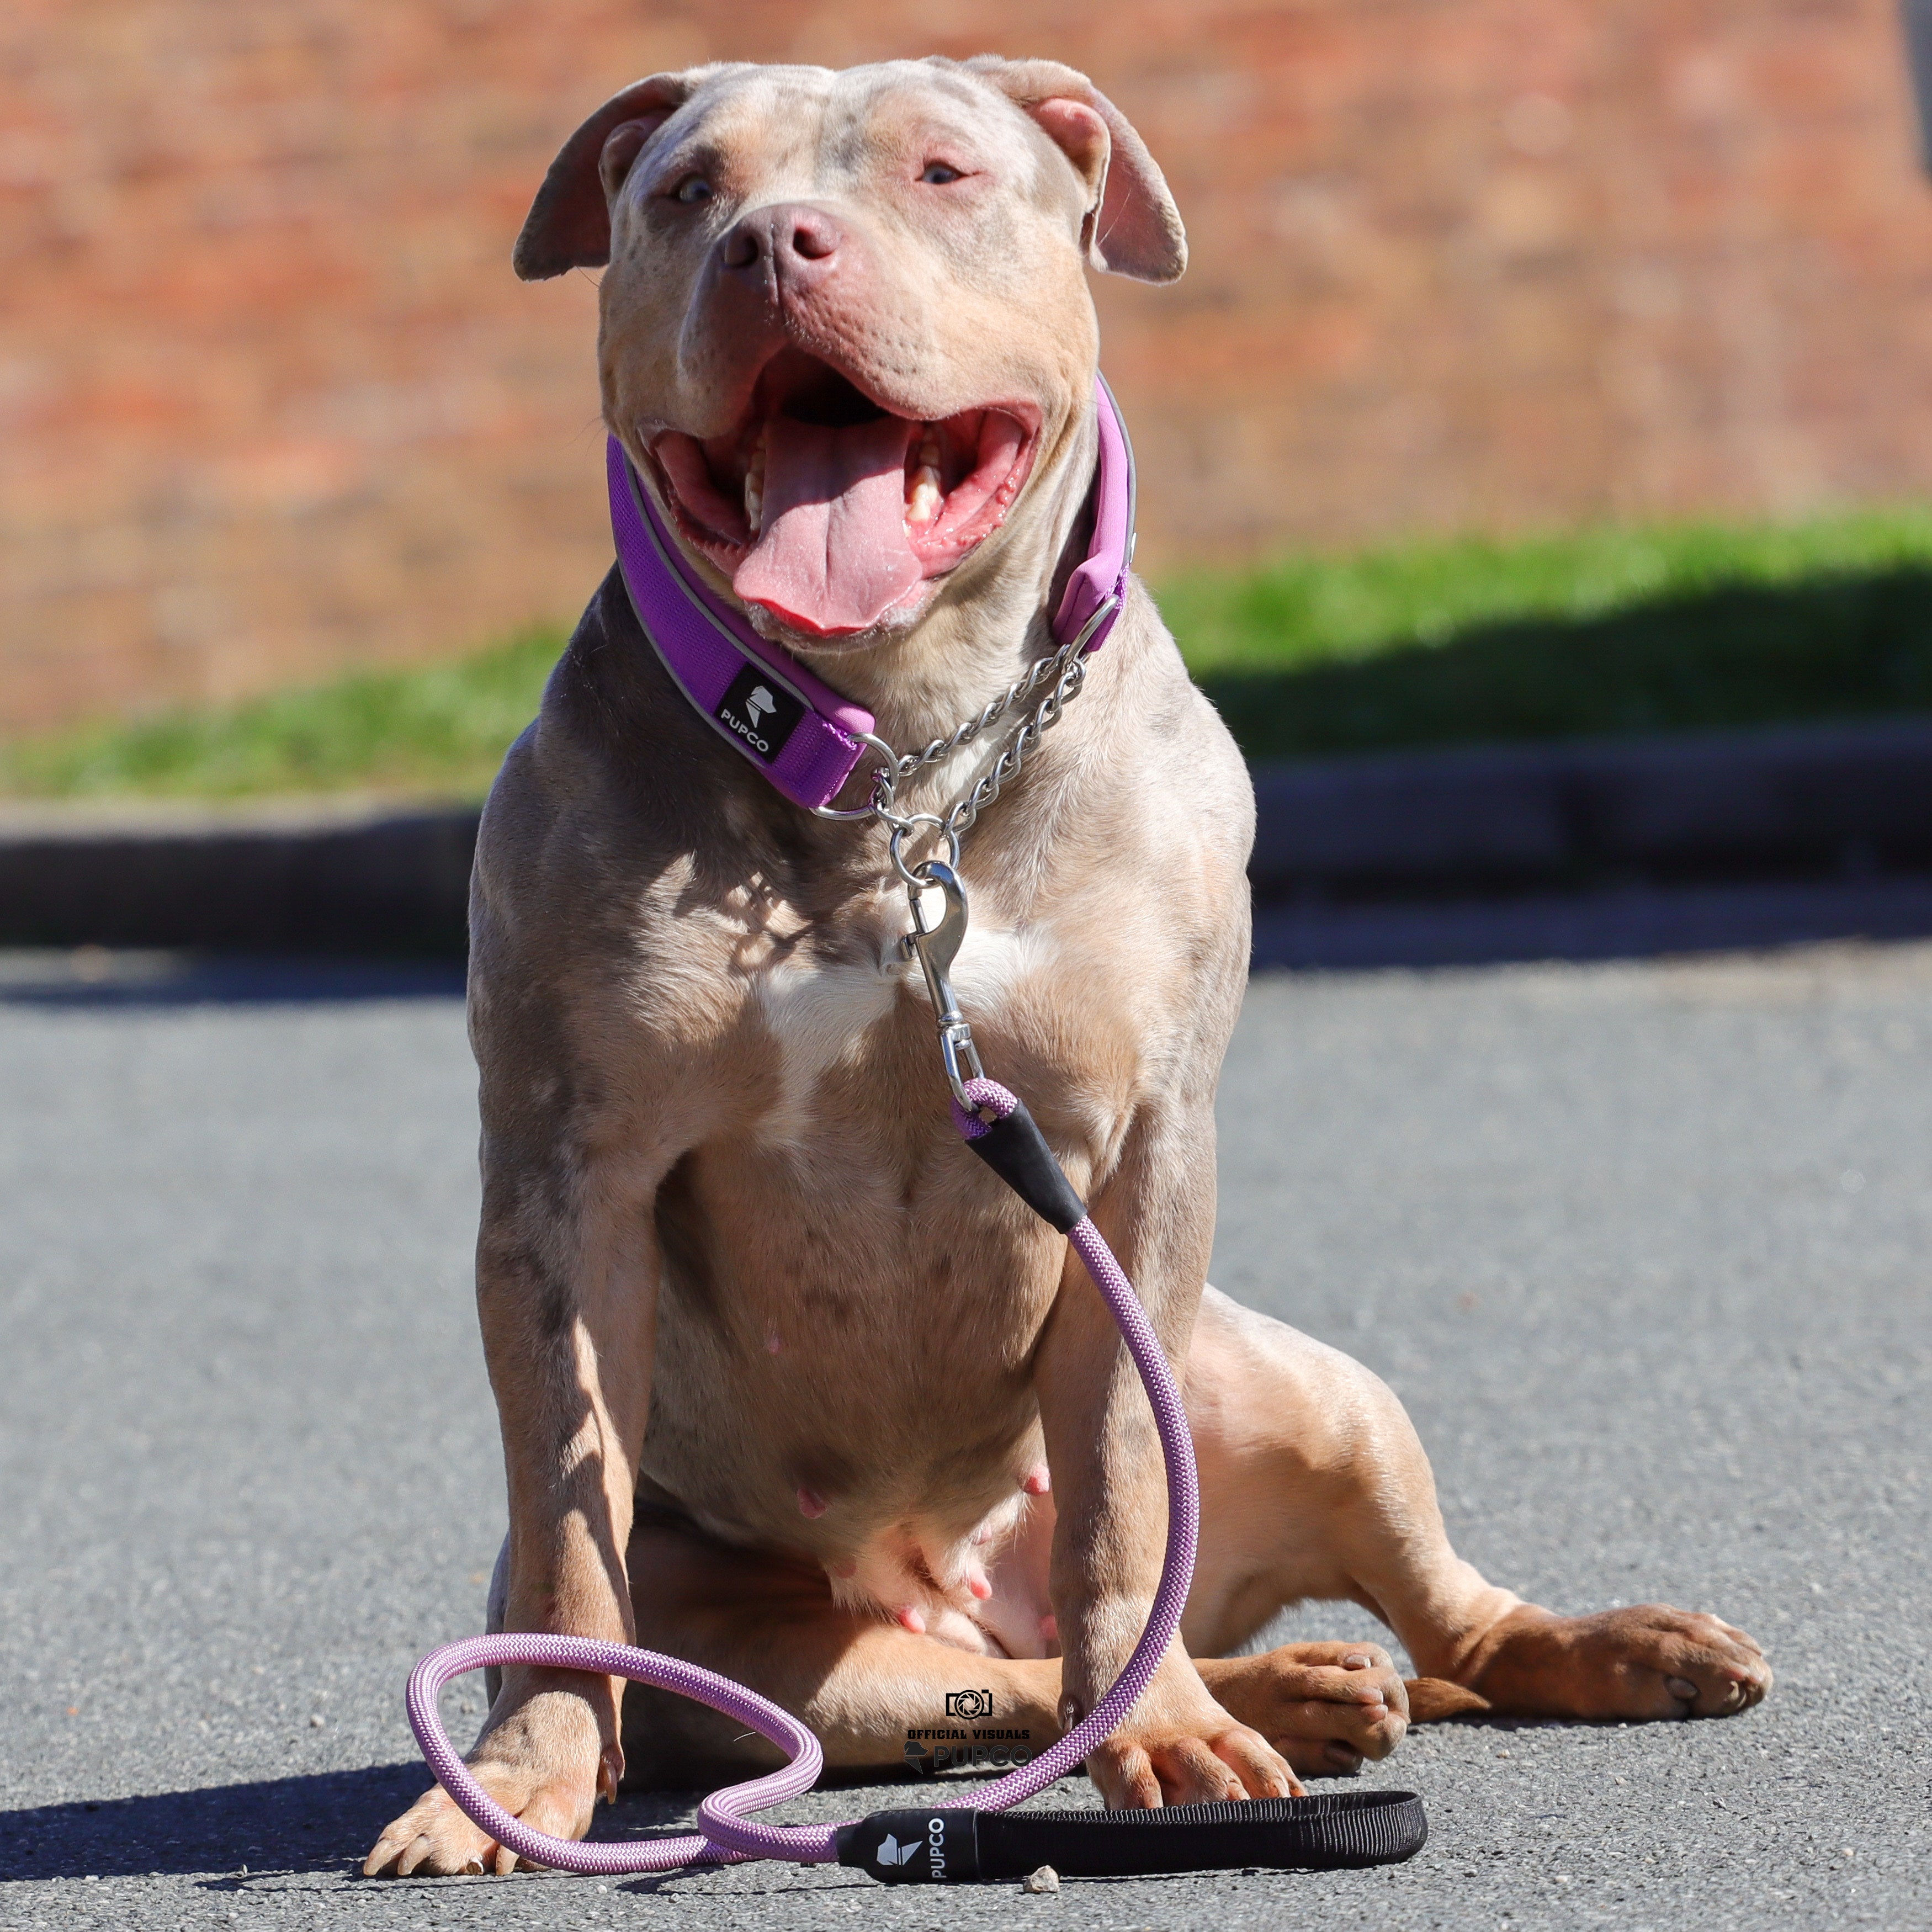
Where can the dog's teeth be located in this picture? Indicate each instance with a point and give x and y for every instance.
(928, 492)
(755, 487)
(922, 505)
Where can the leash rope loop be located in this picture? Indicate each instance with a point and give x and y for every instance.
(1286, 1833)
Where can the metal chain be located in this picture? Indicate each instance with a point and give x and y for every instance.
(1072, 670)
(1024, 687)
(967, 808)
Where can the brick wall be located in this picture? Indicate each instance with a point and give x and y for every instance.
(271, 400)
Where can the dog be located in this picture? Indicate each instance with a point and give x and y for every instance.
(789, 1385)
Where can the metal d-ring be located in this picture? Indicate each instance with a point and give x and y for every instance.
(871, 807)
(903, 828)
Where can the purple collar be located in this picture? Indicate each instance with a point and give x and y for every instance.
(796, 729)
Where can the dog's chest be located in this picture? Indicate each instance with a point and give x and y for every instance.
(839, 1271)
(828, 1006)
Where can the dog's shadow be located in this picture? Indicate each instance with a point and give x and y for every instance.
(323, 1823)
(273, 1825)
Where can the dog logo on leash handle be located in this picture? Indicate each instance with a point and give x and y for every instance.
(892, 1852)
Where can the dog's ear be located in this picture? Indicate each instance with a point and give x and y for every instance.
(569, 226)
(1132, 226)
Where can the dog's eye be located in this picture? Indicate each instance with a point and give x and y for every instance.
(692, 188)
(937, 174)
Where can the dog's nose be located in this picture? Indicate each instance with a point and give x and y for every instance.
(792, 235)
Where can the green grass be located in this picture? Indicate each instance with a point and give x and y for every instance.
(1316, 608)
(1423, 642)
(440, 731)
(1602, 631)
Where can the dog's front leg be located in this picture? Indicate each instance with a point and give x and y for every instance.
(1178, 1746)
(566, 1289)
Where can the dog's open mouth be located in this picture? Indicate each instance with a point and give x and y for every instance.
(829, 511)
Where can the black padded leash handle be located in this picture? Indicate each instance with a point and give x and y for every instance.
(1335, 1832)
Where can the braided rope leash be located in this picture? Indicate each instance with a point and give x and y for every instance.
(951, 1842)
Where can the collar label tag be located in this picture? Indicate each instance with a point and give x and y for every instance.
(760, 712)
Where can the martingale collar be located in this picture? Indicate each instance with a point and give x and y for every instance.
(794, 727)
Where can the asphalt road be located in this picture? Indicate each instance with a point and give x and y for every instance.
(1643, 1247)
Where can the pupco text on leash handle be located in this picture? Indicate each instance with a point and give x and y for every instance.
(806, 739)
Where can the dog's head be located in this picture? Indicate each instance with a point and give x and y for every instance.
(845, 323)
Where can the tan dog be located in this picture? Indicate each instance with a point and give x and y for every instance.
(782, 1369)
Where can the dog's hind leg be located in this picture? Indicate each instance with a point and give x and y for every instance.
(867, 1687)
(1314, 1485)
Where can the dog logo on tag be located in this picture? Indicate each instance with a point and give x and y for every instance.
(892, 1852)
(760, 718)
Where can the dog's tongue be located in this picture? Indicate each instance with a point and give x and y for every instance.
(833, 557)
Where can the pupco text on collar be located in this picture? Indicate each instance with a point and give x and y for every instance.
(807, 740)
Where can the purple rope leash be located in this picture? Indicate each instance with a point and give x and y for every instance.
(728, 1834)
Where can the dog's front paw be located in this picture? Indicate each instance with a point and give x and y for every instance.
(546, 1762)
(1648, 1661)
(1324, 1707)
(1179, 1747)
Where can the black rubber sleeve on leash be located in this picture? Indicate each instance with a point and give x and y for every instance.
(1334, 1832)
(1016, 1150)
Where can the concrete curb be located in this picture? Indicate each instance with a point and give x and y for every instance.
(362, 876)
(1815, 802)
(289, 877)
